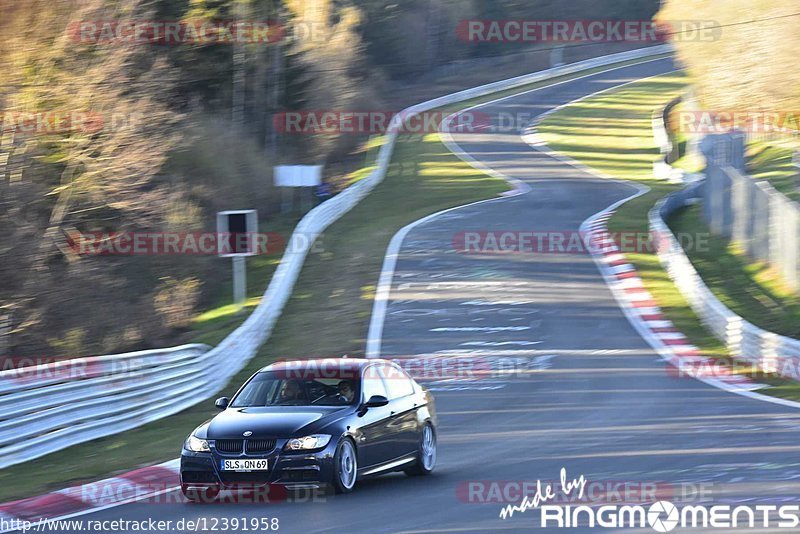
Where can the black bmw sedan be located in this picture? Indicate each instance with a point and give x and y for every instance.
(313, 424)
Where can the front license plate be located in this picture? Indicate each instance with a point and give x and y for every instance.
(245, 465)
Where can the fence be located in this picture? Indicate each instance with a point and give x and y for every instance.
(743, 339)
(46, 416)
(751, 213)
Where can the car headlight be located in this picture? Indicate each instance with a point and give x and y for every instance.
(195, 444)
(308, 443)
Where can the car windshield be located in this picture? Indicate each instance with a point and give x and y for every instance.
(268, 389)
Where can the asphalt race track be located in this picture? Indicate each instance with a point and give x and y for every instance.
(586, 393)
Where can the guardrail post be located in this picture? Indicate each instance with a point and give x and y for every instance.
(770, 360)
(740, 208)
(733, 334)
(791, 223)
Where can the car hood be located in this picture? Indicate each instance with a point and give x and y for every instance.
(275, 422)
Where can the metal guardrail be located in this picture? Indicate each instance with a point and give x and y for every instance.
(744, 340)
(121, 392)
(752, 213)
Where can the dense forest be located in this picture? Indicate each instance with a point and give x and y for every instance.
(186, 130)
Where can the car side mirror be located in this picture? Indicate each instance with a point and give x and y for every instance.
(376, 401)
(222, 403)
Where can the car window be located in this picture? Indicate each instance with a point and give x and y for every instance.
(256, 393)
(397, 381)
(372, 384)
(269, 389)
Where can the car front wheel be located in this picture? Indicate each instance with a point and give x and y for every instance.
(345, 467)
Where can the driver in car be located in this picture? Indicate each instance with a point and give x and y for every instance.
(346, 390)
(290, 391)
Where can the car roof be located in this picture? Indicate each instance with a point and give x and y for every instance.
(345, 364)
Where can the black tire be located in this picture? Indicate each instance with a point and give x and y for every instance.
(426, 453)
(200, 495)
(345, 467)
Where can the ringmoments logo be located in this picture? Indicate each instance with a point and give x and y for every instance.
(661, 516)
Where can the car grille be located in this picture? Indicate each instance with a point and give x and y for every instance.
(237, 446)
(260, 445)
(230, 445)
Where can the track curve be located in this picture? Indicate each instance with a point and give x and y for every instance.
(597, 401)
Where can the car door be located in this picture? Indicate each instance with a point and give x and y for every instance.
(374, 435)
(404, 428)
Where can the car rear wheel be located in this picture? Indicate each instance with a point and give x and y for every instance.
(194, 494)
(345, 467)
(426, 454)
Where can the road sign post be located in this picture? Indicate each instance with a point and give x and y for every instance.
(239, 282)
(236, 232)
(290, 177)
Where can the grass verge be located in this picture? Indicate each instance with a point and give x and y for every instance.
(327, 315)
(774, 164)
(690, 161)
(751, 289)
(612, 133)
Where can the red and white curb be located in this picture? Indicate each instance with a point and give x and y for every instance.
(627, 287)
(147, 482)
(647, 317)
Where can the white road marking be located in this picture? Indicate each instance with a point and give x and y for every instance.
(481, 329)
(499, 343)
(375, 333)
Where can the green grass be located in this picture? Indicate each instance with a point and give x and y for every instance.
(633, 217)
(612, 133)
(691, 163)
(327, 315)
(773, 163)
(751, 289)
(213, 325)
